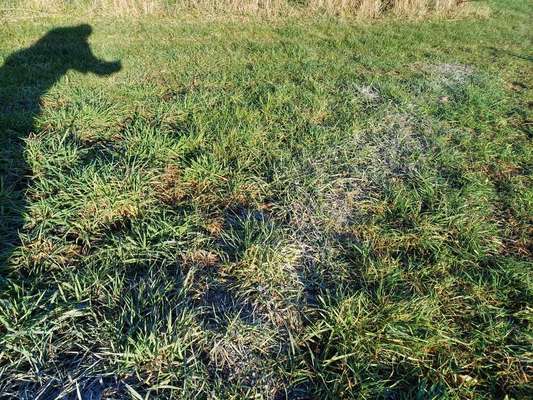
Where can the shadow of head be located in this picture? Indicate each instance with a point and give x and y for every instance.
(60, 50)
(72, 47)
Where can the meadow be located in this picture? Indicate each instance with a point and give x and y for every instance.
(172, 8)
(300, 206)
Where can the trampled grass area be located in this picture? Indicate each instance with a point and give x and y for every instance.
(303, 209)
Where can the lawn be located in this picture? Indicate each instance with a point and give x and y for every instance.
(238, 207)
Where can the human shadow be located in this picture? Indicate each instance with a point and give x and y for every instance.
(25, 77)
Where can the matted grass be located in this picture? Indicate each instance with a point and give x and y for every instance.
(311, 208)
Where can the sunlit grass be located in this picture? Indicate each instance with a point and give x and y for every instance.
(137, 8)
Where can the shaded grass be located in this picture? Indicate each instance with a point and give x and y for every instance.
(294, 210)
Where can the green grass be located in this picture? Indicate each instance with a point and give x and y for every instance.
(301, 209)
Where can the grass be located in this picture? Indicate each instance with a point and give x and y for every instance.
(263, 8)
(310, 208)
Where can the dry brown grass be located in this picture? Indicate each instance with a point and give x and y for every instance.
(362, 8)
